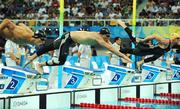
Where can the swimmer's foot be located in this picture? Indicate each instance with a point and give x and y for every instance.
(39, 68)
(139, 63)
(37, 76)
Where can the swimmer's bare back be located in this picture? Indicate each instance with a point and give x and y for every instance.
(84, 37)
(20, 34)
(92, 38)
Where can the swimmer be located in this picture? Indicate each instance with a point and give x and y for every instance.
(144, 48)
(21, 34)
(82, 37)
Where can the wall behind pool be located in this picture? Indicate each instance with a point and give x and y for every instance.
(116, 31)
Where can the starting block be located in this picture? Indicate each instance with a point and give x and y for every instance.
(78, 77)
(152, 73)
(121, 75)
(19, 80)
(176, 71)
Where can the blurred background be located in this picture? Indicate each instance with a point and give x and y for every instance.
(160, 17)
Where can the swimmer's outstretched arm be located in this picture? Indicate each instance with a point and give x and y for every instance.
(110, 48)
(121, 23)
(128, 31)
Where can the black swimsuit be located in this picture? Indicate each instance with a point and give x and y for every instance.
(143, 49)
(62, 44)
(157, 52)
(2, 45)
(2, 42)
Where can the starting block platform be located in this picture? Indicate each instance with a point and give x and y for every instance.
(79, 77)
(120, 75)
(151, 73)
(176, 71)
(20, 80)
(75, 94)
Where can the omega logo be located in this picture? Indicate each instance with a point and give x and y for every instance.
(126, 91)
(82, 96)
(160, 87)
(19, 103)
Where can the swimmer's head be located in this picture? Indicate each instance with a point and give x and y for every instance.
(174, 35)
(105, 31)
(40, 34)
(175, 38)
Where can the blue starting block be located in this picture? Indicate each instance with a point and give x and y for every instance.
(17, 80)
(76, 76)
(121, 75)
(152, 73)
(176, 71)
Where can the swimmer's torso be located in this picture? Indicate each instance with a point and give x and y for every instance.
(18, 35)
(84, 37)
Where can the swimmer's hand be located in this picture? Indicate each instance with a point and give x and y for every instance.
(127, 58)
(31, 58)
(121, 23)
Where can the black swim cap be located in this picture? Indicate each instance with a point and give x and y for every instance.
(105, 31)
(40, 34)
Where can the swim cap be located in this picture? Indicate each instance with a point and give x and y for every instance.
(40, 34)
(105, 31)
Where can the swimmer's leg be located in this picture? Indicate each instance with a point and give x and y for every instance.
(52, 62)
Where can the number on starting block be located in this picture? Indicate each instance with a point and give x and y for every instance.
(176, 75)
(12, 84)
(116, 77)
(73, 80)
(150, 75)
